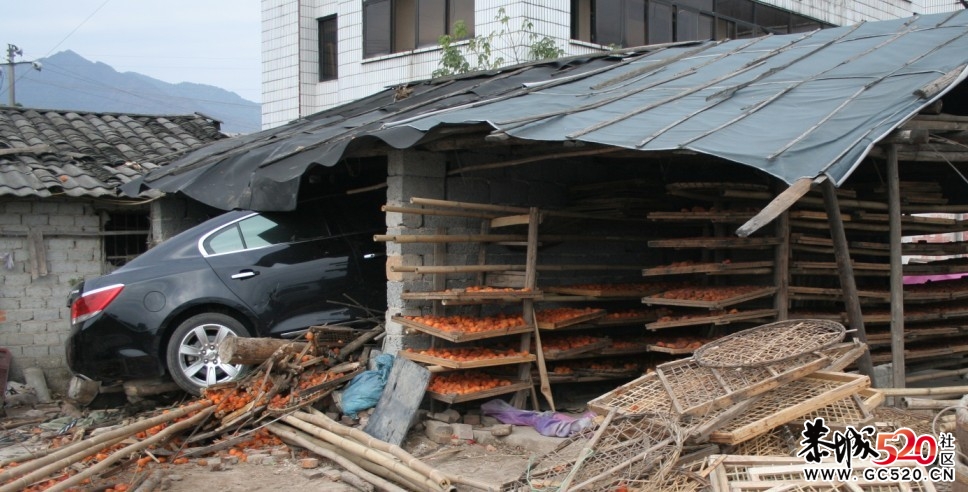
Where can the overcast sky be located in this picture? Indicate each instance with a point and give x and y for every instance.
(215, 42)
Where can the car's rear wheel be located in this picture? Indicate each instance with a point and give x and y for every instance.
(192, 352)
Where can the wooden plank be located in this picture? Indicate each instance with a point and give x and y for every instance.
(470, 364)
(715, 242)
(722, 319)
(500, 390)
(456, 336)
(621, 290)
(780, 204)
(567, 354)
(725, 216)
(553, 325)
(510, 295)
(510, 220)
(720, 304)
(706, 268)
(399, 401)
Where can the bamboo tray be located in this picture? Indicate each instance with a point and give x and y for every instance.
(646, 317)
(782, 474)
(474, 296)
(567, 354)
(554, 325)
(855, 410)
(737, 268)
(687, 388)
(500, 390)
(720, 319)
(453, 364)
(716, 242)
(670, 350)
(788, 402)
(764, 292)
(457, 336)
(627, 291)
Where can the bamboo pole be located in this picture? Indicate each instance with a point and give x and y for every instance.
(936, 374)
(348, 446)
(299, 438)
(926, 404)
(320, 419)
(587, 450)
(94, 444)
(164, 435)
(939, 390)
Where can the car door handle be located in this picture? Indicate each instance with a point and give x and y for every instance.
(244, 274)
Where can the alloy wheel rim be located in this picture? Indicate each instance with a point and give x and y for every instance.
(198, 357)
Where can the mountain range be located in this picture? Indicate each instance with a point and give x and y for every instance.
(69, 81)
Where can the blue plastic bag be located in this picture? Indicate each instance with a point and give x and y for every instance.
(364, 390)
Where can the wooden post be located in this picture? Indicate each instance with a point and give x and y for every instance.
(846, 272)
(897, 275)
(531, 282)
(439, 279)
(781, 267)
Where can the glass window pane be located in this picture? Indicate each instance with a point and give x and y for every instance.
(225, 241)
(773, 18)
(660, 23)
(687, 25)
(461, 10)
(376, 28)
(706, 27)
(608, 29)
(431, 19)
(581, 16)
(404, 25)
(328, 61)
(737, 9)
(634, 23)
(706, 5)
(258, 231)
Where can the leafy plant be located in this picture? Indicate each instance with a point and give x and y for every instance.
(454, 61)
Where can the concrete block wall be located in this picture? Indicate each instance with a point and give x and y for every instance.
(37, 318)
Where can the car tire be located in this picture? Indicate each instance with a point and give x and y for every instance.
(192, 352)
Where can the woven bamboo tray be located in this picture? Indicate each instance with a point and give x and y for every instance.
(856, 410)
(470, 364)
(567, 354)
(500, 390)
(458, 336)
(788, 402)
(743, 267)
(775, 473)
(686, 388)
(553, 325)
(717, 319)
(770, 343)
(720, 304)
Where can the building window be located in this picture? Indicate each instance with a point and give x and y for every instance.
(328, 53)
(125, 237)
(626, 23)
(392, 26)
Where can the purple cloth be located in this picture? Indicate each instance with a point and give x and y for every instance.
(550, 424)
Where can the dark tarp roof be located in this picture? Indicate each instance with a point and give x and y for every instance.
(793, 106)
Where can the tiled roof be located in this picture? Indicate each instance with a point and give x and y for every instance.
(56, 152)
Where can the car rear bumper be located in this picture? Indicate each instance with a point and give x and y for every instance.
(109, 355)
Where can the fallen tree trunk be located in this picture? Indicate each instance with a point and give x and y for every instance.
(246, 350)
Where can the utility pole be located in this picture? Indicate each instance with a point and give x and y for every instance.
(12, 51)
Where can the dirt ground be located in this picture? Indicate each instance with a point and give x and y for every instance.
(489, 463)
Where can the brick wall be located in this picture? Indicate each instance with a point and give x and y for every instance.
(37, 318)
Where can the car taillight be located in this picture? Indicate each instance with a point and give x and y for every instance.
(93, 302)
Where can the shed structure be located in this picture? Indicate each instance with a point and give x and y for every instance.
(669, 162)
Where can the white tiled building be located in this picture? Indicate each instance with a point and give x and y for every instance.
(368, 45)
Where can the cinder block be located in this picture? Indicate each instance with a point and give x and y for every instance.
(463, 431)
(438, 432)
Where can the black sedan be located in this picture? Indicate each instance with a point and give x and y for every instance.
(239, 274)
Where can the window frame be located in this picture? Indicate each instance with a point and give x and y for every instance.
(328, 68)
(394, 23)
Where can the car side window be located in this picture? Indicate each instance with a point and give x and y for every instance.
(264, 230)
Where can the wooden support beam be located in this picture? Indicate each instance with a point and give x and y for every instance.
(780, 204)
(897, 268)
(846, 272)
